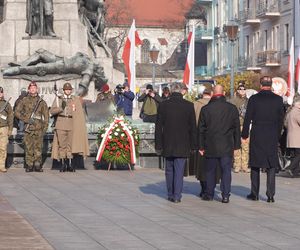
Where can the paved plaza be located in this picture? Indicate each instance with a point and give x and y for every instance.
(96, 209)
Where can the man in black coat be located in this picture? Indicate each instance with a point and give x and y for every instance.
(175, 137)
(265, 112)
(219, 136)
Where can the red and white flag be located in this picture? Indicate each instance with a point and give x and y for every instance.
(128, 55)
(188, 76)
(291, 74)
(298, 71)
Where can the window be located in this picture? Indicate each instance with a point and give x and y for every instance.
(286, 37)
(145, 58)
(247, 46)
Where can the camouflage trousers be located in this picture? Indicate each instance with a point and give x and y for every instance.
(33, 145)
(3, 146)
(241, 158)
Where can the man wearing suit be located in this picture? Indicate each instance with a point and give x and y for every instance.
(265, 112)
(219, 136)
(175, 137)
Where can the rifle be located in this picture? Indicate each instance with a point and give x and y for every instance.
(55, 90)
(5, 105)
(33, 113)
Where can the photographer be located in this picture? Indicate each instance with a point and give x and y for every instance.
(123, 99)
(150, 101)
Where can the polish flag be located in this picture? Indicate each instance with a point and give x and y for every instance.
(188, 76)
(291, 74)
(298, 71)
(128, 55)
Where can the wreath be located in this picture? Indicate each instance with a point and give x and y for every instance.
(118, 142)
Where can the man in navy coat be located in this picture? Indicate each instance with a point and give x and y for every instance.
(219, 136)
(265, 112)
(175, 137)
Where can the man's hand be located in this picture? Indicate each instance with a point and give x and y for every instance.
(201, 151)
(152, 94)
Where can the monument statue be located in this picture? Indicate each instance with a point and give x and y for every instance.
(45, 66)
(92, 15)
(39, 14)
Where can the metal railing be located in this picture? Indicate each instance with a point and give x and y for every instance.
(269, 7)
(269, 57)
(202, 32)
(204, 71)
(247, 14)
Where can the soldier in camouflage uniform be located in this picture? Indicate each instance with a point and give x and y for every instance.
(6, 125)
(33, 110)
(241, 157)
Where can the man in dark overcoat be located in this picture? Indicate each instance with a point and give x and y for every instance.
(219, 136)
(175, 137)
(265, 112)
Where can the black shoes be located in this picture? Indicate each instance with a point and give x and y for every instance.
(270, 199)
(225, 200)
(174, 200)
(207, 198)
(252, 197)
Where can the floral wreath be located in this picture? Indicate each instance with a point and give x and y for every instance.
(118, 141)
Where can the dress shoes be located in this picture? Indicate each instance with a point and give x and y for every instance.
(270, 199)
(176, 200)
(252, 197)
(207, 198)
(225, 200)
(170, 199)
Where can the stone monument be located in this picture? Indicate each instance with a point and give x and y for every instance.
(57, 28)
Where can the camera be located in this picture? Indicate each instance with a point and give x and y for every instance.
(119, 89)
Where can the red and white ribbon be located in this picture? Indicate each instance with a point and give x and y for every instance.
(128, 133)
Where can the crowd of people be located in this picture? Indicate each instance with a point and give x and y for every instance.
(216, 135)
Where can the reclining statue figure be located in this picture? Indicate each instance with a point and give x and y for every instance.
(44, 63)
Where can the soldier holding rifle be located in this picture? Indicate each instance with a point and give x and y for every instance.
(33, 110)
(6, 125)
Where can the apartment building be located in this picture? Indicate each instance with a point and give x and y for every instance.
(266, 31)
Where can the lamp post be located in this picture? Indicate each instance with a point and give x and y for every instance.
(153, 56)
(232, 31)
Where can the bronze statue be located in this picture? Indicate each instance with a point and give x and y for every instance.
(39, 14)
(45, 66)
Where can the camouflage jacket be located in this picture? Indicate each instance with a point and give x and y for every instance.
(6, 115)
(241, 104)
(25, 108)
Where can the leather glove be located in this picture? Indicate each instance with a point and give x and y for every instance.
(31, 121)
(63, 104)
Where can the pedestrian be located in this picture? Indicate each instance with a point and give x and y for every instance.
(219, 135)
(166, 93)
(200, 169)
(124, 99)
(175, 137)
(241, 157)
(70, 134)
(151, 101)
(6, 126)
(292, 123)
(265, 112)
(33, 111)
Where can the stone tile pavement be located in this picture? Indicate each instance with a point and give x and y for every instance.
(96, 209)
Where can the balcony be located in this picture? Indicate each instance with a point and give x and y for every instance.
(270, 58)
(248, 63)
(204, 34)
(247, 16)
(204, 71)
(268, 10)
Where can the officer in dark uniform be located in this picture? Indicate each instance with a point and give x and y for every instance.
(33, 111)
(265, 111)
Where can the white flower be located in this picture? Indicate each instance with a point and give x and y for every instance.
(116, 133)
(109, 137)
(136, 137)
(130, 132)
(118, 130)
(129, 127)
(122, 135)
(102, 135)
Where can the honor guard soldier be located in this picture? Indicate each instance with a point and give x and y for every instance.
(70, 121)
(33, 111)
(6, 125)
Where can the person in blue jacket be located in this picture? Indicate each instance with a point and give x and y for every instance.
(123, 99)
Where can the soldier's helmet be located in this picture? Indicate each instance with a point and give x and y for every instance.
(67, 86)
(32, 84)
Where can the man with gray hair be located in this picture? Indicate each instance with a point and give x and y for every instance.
(175, 137)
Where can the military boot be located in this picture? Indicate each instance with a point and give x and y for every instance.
(49, 26)
(71, 168)
(38, 167)
(64, 165)
(28, 168)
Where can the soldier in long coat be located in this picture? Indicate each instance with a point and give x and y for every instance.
(70, 135)
(265, 112)
(33, 111)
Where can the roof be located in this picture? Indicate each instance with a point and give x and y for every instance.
(154, 13)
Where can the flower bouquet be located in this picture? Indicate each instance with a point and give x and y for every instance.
(118, 142)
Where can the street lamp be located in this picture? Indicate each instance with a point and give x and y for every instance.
(153, 56)
(232, 31)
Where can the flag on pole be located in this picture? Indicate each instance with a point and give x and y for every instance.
(128, 55)
(291, 74)
(188, 76)
(298, 71)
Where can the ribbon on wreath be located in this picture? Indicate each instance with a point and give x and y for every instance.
(118, 120)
